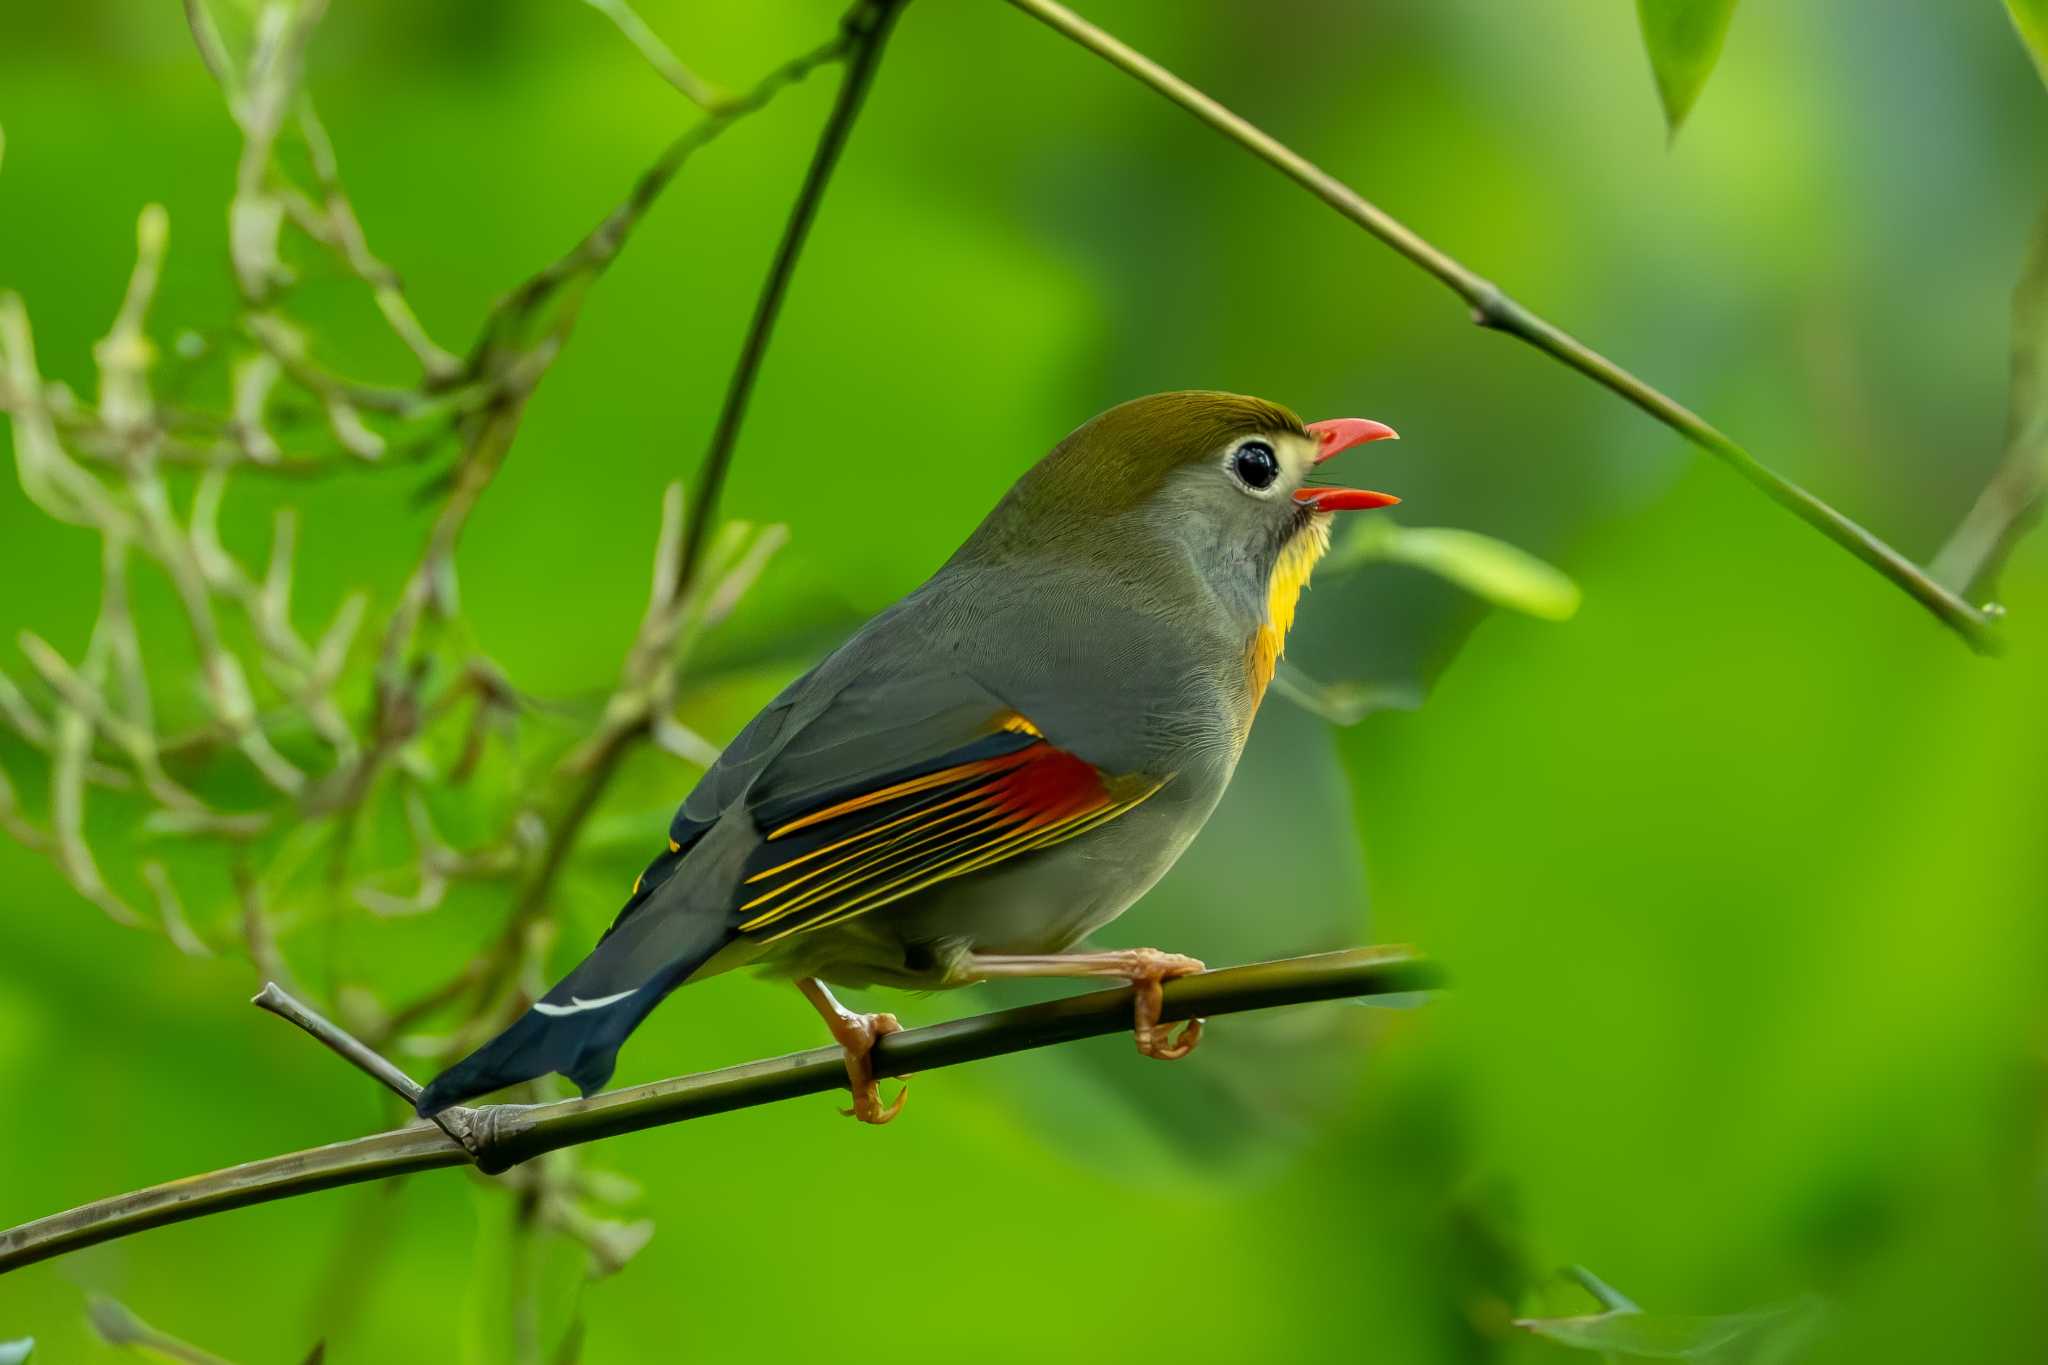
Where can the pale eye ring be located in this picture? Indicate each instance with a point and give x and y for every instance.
(1255, 465)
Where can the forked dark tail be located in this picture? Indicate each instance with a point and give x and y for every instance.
(577, 1027)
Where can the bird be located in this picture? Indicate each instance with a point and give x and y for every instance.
(994, 767)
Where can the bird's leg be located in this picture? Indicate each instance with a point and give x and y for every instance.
(856, 1035)
(1144, 968)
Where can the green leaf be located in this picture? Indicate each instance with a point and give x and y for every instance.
(1684, 39)
(2030, 17)
(1757, 1334)
(1492, 569)
(17, 1352)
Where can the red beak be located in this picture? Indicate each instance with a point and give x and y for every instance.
(1342, 433)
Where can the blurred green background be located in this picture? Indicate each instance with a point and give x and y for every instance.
(1740, 873)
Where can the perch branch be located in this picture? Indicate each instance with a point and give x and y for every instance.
(1494, 309)
(502, 1136)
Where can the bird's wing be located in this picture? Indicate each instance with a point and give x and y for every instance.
(889, 767)
(872, 777)
(826, 856)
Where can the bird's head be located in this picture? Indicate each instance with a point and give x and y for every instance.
(1228, 481)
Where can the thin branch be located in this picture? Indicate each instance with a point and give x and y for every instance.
(1610, 1299)
(344, 232)
(867, 29)
(666, 64)
(2011, 504)
(602, 243)
(1493, 308)
(288, 1007)
(119, 1327)
(454, 1121)
(505, 1135)
(213, 53)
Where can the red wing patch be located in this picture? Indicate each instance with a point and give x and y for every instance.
(869, 848)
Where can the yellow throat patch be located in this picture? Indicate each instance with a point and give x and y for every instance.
(1290, 575)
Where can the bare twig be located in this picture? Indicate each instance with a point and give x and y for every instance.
(118, 1327)
(344, 232)
(589, 257)
(506, 1135)
(286, 1006)
(2011, 504)
(1491, 307)
(454, 1121)
(171, 911)
(213, 53)
(693, 87)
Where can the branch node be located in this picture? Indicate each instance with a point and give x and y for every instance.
(488, 1135)
(1491, 308)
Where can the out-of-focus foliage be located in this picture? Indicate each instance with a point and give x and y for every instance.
(2030, 17)
(1738, 872)
(1684, 39)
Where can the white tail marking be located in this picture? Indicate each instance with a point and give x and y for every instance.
(577, 1004)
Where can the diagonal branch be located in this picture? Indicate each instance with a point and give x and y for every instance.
(866, 28)
(1493, 308)
(2012, 502)
(666, 64)
(504, 1135)
(280, 1002)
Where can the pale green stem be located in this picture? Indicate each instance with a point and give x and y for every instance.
(1493, 308)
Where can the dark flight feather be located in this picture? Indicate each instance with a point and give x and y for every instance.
(821, 857)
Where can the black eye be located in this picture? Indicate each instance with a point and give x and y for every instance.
(1256, 464)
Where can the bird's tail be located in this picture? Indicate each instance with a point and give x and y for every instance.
(577, 1027)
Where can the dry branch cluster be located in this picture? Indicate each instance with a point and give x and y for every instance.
(303, 737)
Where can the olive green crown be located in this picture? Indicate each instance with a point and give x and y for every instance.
(1120, 458)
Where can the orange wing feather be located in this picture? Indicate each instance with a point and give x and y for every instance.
(866, 850)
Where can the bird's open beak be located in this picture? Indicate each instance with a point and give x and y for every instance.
(1342, 433)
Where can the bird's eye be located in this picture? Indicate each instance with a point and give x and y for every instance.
(1256, 465)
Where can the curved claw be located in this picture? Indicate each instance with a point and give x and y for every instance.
(875, 1114)
(1153, 968)
(856, 1035)
(860, 1070)
(1163, 1045)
